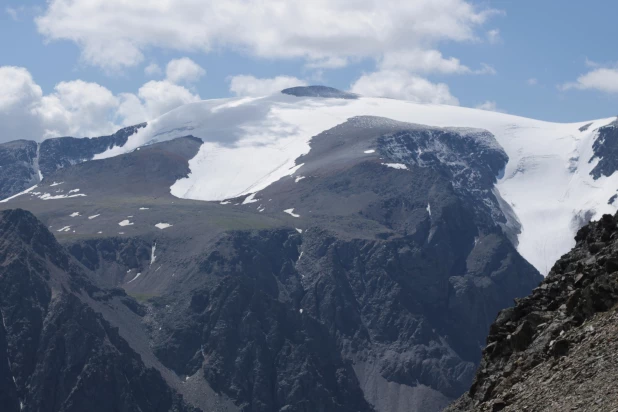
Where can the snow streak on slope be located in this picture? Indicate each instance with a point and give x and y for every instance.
(250, 143)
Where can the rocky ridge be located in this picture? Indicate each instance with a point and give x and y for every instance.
(556, 350)
(56, 352)
(24, 163)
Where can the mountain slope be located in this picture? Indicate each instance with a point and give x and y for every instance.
(385, 254)
(550, 180)
(25, 163)
(314, 250)
(57, 348)
(556, 349)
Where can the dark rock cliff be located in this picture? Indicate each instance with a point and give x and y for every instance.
(22, 162)
(17, 167)
(56, 352)
(61, 152)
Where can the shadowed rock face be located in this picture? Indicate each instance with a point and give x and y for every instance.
(319, 91)
(605, 153)
(17, 167)
(57, 353)
(22, 160)
(66, 151)
(555, 349)
(374, 293)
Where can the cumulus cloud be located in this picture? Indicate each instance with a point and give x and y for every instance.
(19, 99)
(403, 85)
(78, 108)
(491, 106)
(601, 79)
(326, 33)
(245, 85)
(423, 61)
(13, 13)
(160, 97)
(493, 36)
(428, 61)
(184, 70)
(73, 108)
(153, 69)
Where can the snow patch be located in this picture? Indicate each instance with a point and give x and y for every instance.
(144, 208)
(64, 229)
(298, 179)
(163, 225)
(369, 151)
(396, 166)
(74, 214)
(19, 194)
(48, 196)
(153, 257)
(291, 212)
(250, 199)
(299, 230)
(429, 209)
(136, 276)
(93, 216)
(56, 184)
(125, 223)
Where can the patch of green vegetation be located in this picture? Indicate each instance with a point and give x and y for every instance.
(142, 297)
(241, 223)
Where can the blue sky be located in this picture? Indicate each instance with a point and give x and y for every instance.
(522, 57)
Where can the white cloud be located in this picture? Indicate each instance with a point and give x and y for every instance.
(131, 110)
(491, 106)
(244, 85)
(332, 62)
(73, 108)
(423, 61)
(17, 88)
(19, 98)
(532, 81)
(485, 69)
(159, 97)
(12, 13)
(153, 69)
(78, 108)
(403, 85)
(326, 33)
(601, 79)
(184, 70)
(428, 61)
(493, 36)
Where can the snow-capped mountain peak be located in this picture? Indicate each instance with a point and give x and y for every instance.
(249, 143)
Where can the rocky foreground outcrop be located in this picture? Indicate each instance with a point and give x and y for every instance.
(557, 349)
